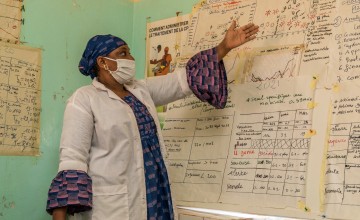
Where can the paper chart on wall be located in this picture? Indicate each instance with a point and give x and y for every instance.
(319, 31)
(209, 24)
(280, 23)
(326, 29)
(316, 38)
(20, 84)
(10, 20)
(307, 24)
(342, 174)
(253, 152)
(345, 50)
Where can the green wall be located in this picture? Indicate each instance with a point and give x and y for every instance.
(62, 29)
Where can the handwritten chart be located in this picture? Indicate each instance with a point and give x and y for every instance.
(208, 26)
(265, 149)
(10, 20)
(20, 73)
(342, 174)
(317, 39)
(283, 18)
(303, 27)
(269, 154)
(346, 50)
(246, 152)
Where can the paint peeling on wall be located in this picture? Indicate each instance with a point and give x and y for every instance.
(5, 205)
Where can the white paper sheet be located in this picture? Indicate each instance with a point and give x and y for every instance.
(342, 174)
(253, 152)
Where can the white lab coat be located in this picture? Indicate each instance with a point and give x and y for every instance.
(100, 136)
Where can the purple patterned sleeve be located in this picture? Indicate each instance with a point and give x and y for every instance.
(71, 188)
(206, 77)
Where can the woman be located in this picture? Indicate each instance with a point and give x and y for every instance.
(111, 164)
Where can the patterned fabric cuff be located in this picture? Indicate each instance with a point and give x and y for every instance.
(71, 188)
(207, 78)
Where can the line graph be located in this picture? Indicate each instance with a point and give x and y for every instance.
(287, 71)
(273, 63)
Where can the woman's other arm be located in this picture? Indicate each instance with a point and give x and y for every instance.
(71, 189)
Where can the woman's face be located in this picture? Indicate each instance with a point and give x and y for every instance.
(122, 52)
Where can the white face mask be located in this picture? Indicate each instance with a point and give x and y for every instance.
(125, 71)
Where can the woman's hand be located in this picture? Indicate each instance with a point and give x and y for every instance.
(235, 37)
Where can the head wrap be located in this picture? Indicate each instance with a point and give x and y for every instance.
(99, 45)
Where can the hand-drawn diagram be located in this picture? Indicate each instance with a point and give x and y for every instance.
(282, 18)
(273, 63)
(209, 25)
(10, 20)
(19, 100)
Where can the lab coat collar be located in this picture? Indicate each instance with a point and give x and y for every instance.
(130, 87)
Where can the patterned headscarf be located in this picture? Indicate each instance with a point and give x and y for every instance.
(99, 45)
